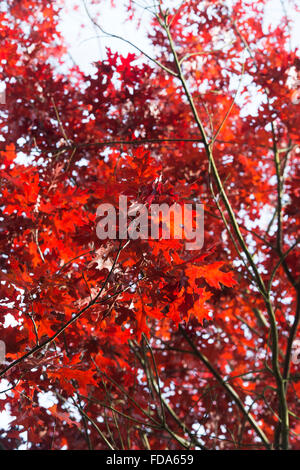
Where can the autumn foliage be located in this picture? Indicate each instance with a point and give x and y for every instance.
(142, 344)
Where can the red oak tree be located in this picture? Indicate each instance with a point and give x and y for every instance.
(143, 344)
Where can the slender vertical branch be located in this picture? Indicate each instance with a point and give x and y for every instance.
(283, 407)
(228, 388)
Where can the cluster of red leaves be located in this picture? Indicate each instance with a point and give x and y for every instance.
(55, 171)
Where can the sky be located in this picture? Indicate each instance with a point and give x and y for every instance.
(87, 45)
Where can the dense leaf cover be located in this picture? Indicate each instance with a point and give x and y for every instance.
(143, 344)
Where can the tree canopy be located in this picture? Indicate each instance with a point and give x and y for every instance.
(144, 344)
